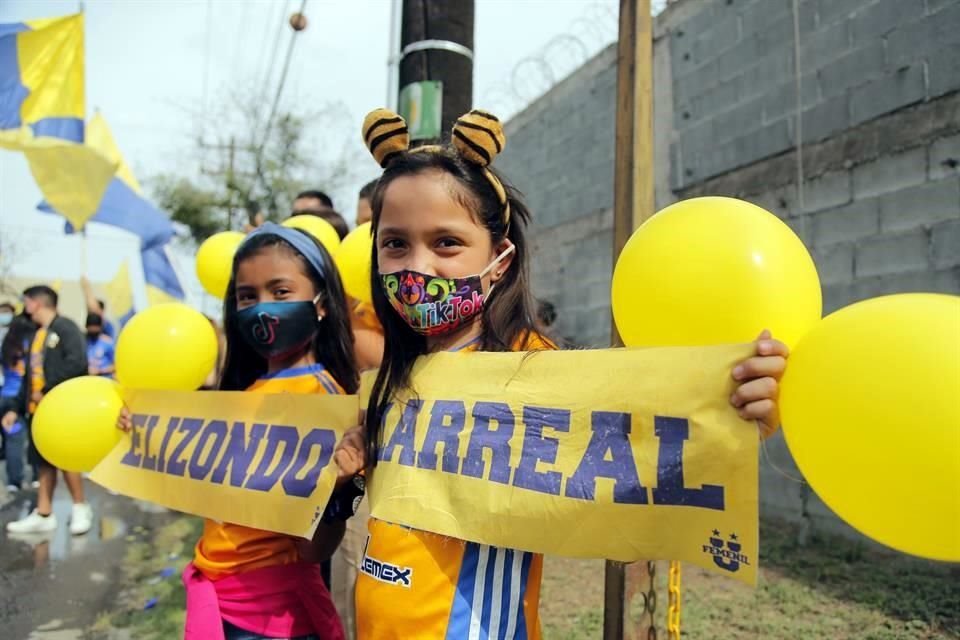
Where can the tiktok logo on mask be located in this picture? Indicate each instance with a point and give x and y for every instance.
(264, 331)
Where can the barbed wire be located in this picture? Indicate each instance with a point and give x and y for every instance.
(534, 75)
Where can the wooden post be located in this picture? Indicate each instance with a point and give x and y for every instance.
(633, 203)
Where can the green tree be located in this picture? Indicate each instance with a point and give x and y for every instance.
(253, 169)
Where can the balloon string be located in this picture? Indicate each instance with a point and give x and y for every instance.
(765, 456)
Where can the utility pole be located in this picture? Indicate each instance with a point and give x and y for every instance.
(633, 203)
(436, 45)
(229, 174)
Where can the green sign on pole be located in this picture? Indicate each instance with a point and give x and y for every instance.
(421, 104)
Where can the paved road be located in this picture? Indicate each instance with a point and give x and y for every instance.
(52, 586)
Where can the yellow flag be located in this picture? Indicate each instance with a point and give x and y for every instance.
(100, 137)
(119, 292)
(46, 122)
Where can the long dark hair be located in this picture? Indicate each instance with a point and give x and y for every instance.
(333, 344)
(509, 315)
(14, 346)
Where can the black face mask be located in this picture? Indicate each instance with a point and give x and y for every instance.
(93, 336)
(277, 329)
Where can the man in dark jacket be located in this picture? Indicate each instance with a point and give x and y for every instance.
(58, 352)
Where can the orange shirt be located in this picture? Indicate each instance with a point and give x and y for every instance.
(226, 548)
(415, 584)
(362, 316)
(37, 379)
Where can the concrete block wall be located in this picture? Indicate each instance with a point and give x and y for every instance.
(880, 204)
(734, 73)
(559, 154)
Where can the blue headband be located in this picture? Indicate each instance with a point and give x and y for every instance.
(299, 240)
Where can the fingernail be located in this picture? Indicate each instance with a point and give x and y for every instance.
(737, 372)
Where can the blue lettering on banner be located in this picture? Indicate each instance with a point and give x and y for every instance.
(263, 478)
(190, 427)
(149, 461)
(446, 423)
(497, 441)
(673, 432)
(239, 453)
(608, 455)
(225, 453)
(403, 435)
(539, 448)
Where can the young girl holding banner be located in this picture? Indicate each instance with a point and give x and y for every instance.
(287, 331)
(444, 221)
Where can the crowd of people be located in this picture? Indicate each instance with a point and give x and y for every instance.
(436, 212)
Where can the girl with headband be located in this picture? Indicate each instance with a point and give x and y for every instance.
(287, 331)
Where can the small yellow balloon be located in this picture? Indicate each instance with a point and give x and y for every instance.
(75, 425)
(353, 260)
(870, 405)
(168, 346)
(317, 227)
(712, 271)
(215, 261)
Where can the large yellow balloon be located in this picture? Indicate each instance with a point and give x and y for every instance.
(353, 260)
(169, 346)
(76, 423)
(215, 261)
(712, 271)
(317, 227)
(870, 406)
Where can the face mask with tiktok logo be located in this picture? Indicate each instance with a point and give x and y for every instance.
(432, 305)
(277, 329)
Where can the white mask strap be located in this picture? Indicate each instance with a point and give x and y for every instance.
(498, 259)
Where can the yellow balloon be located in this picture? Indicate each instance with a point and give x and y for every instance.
(870, 406)
(168, 346)
(317, 227)
(215, 261)
(711, 271)
(75, 425)
(353, 260)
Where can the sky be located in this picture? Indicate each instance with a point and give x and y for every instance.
(155, 67)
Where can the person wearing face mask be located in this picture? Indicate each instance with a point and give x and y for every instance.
(100, 347)
(450, 273)
(287, 331)
(56, 354)
(6, 316)
(13, 355)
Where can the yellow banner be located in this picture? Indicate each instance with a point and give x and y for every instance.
(260, 460)
(620, 454)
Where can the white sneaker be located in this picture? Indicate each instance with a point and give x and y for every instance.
(12, 488)
(81, 519)
(33, 523)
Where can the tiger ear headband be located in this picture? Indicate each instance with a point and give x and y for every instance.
(477, 137)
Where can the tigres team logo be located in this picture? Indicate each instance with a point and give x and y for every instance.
(726, 553)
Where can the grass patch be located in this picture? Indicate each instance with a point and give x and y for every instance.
(151, 573)
(832, 588)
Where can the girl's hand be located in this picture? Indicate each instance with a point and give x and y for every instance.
(759, 376)
(351, 454)
(124, 421)
(9, 419)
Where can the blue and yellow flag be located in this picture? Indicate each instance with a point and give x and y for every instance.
(42, 112)
(123, 204)
(120, 294)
